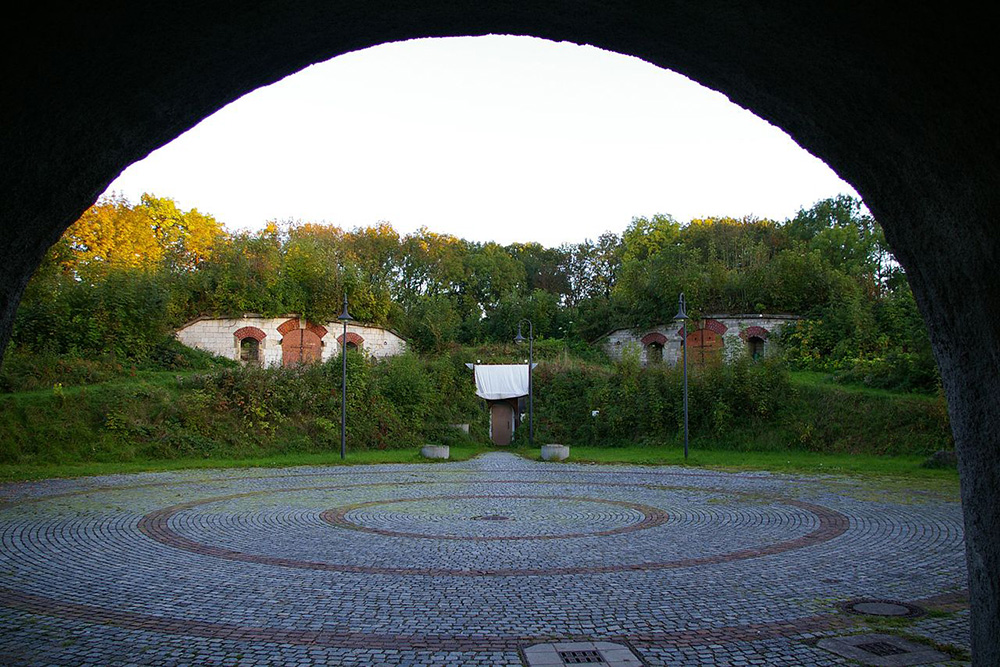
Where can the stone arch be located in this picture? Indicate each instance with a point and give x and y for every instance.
(891, 99)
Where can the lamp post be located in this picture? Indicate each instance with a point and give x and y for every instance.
(344, 317)
(682, 317)
(531, 360)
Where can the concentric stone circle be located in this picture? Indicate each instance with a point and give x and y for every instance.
(809, 524)
(539, 517)
(410, 564)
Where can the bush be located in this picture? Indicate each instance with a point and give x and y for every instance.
(601, 405)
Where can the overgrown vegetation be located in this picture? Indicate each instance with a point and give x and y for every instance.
(411, 400)
(402, 402)
(94, 374)
(125, 276)
(743, 406)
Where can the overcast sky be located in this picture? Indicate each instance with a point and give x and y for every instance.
(487, 138)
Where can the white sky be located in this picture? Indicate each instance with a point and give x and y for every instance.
(487, 138)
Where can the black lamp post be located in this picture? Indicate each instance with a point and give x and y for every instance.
(682, 317)
(531, 359)
(344, 317)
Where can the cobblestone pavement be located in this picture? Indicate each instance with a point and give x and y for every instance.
(466, 564)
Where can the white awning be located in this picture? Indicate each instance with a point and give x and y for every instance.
(494, 382)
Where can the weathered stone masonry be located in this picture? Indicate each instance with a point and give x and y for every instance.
(741, 334)
(224, 336)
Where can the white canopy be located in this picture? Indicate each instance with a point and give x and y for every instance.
(494, 382)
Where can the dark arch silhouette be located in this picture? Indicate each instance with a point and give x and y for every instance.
(900, 102)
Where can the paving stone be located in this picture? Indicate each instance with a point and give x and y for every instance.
(394, 564)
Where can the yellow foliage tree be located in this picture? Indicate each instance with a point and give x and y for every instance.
(114, 234)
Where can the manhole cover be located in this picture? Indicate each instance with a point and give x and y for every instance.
(580, 657)
(882, 608)
(491, 517)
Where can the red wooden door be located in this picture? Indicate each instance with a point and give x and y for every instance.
(704, 347)
(300, 346)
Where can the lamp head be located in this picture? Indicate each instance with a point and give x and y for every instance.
(345, 316)
(519, 338)
(681, 311)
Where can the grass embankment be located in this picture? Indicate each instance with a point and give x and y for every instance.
(822, 417)
(166, 421)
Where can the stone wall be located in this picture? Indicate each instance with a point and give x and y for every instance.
(222, 336)
(736, 331)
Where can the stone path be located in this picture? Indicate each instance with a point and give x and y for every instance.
(466, 564)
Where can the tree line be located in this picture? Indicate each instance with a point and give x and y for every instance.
(125, 275)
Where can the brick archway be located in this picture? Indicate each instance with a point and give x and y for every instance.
(249, 332)
(754, 332)
(294, 323)
(352, 339)
(654, 337)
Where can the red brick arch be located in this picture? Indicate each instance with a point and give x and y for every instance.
(654, 337)
(249, 332)
(288, 325)
(294, 323)
(716, 326)
(712, 325)
(754, 332)
(352, 338)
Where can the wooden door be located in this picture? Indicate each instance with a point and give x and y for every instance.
(300, 346)
(704, 347)
(502, 423)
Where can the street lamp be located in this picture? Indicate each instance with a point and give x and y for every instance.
(531, 360)
(344, 317)
(682, 317)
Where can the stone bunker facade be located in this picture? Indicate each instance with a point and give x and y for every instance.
(277, 341)
(721, 335)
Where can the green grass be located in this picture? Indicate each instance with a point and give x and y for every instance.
(889, 470)
(882, 474)
(10, 472)
(826, 380)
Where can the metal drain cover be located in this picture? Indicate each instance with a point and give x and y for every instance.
(882, 650)
(580, 657)
(561, 654)
(871, 607)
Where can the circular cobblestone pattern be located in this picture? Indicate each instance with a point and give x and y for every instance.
(459, 563)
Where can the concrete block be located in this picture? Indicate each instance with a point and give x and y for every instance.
(555, 452)
(435, 451)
